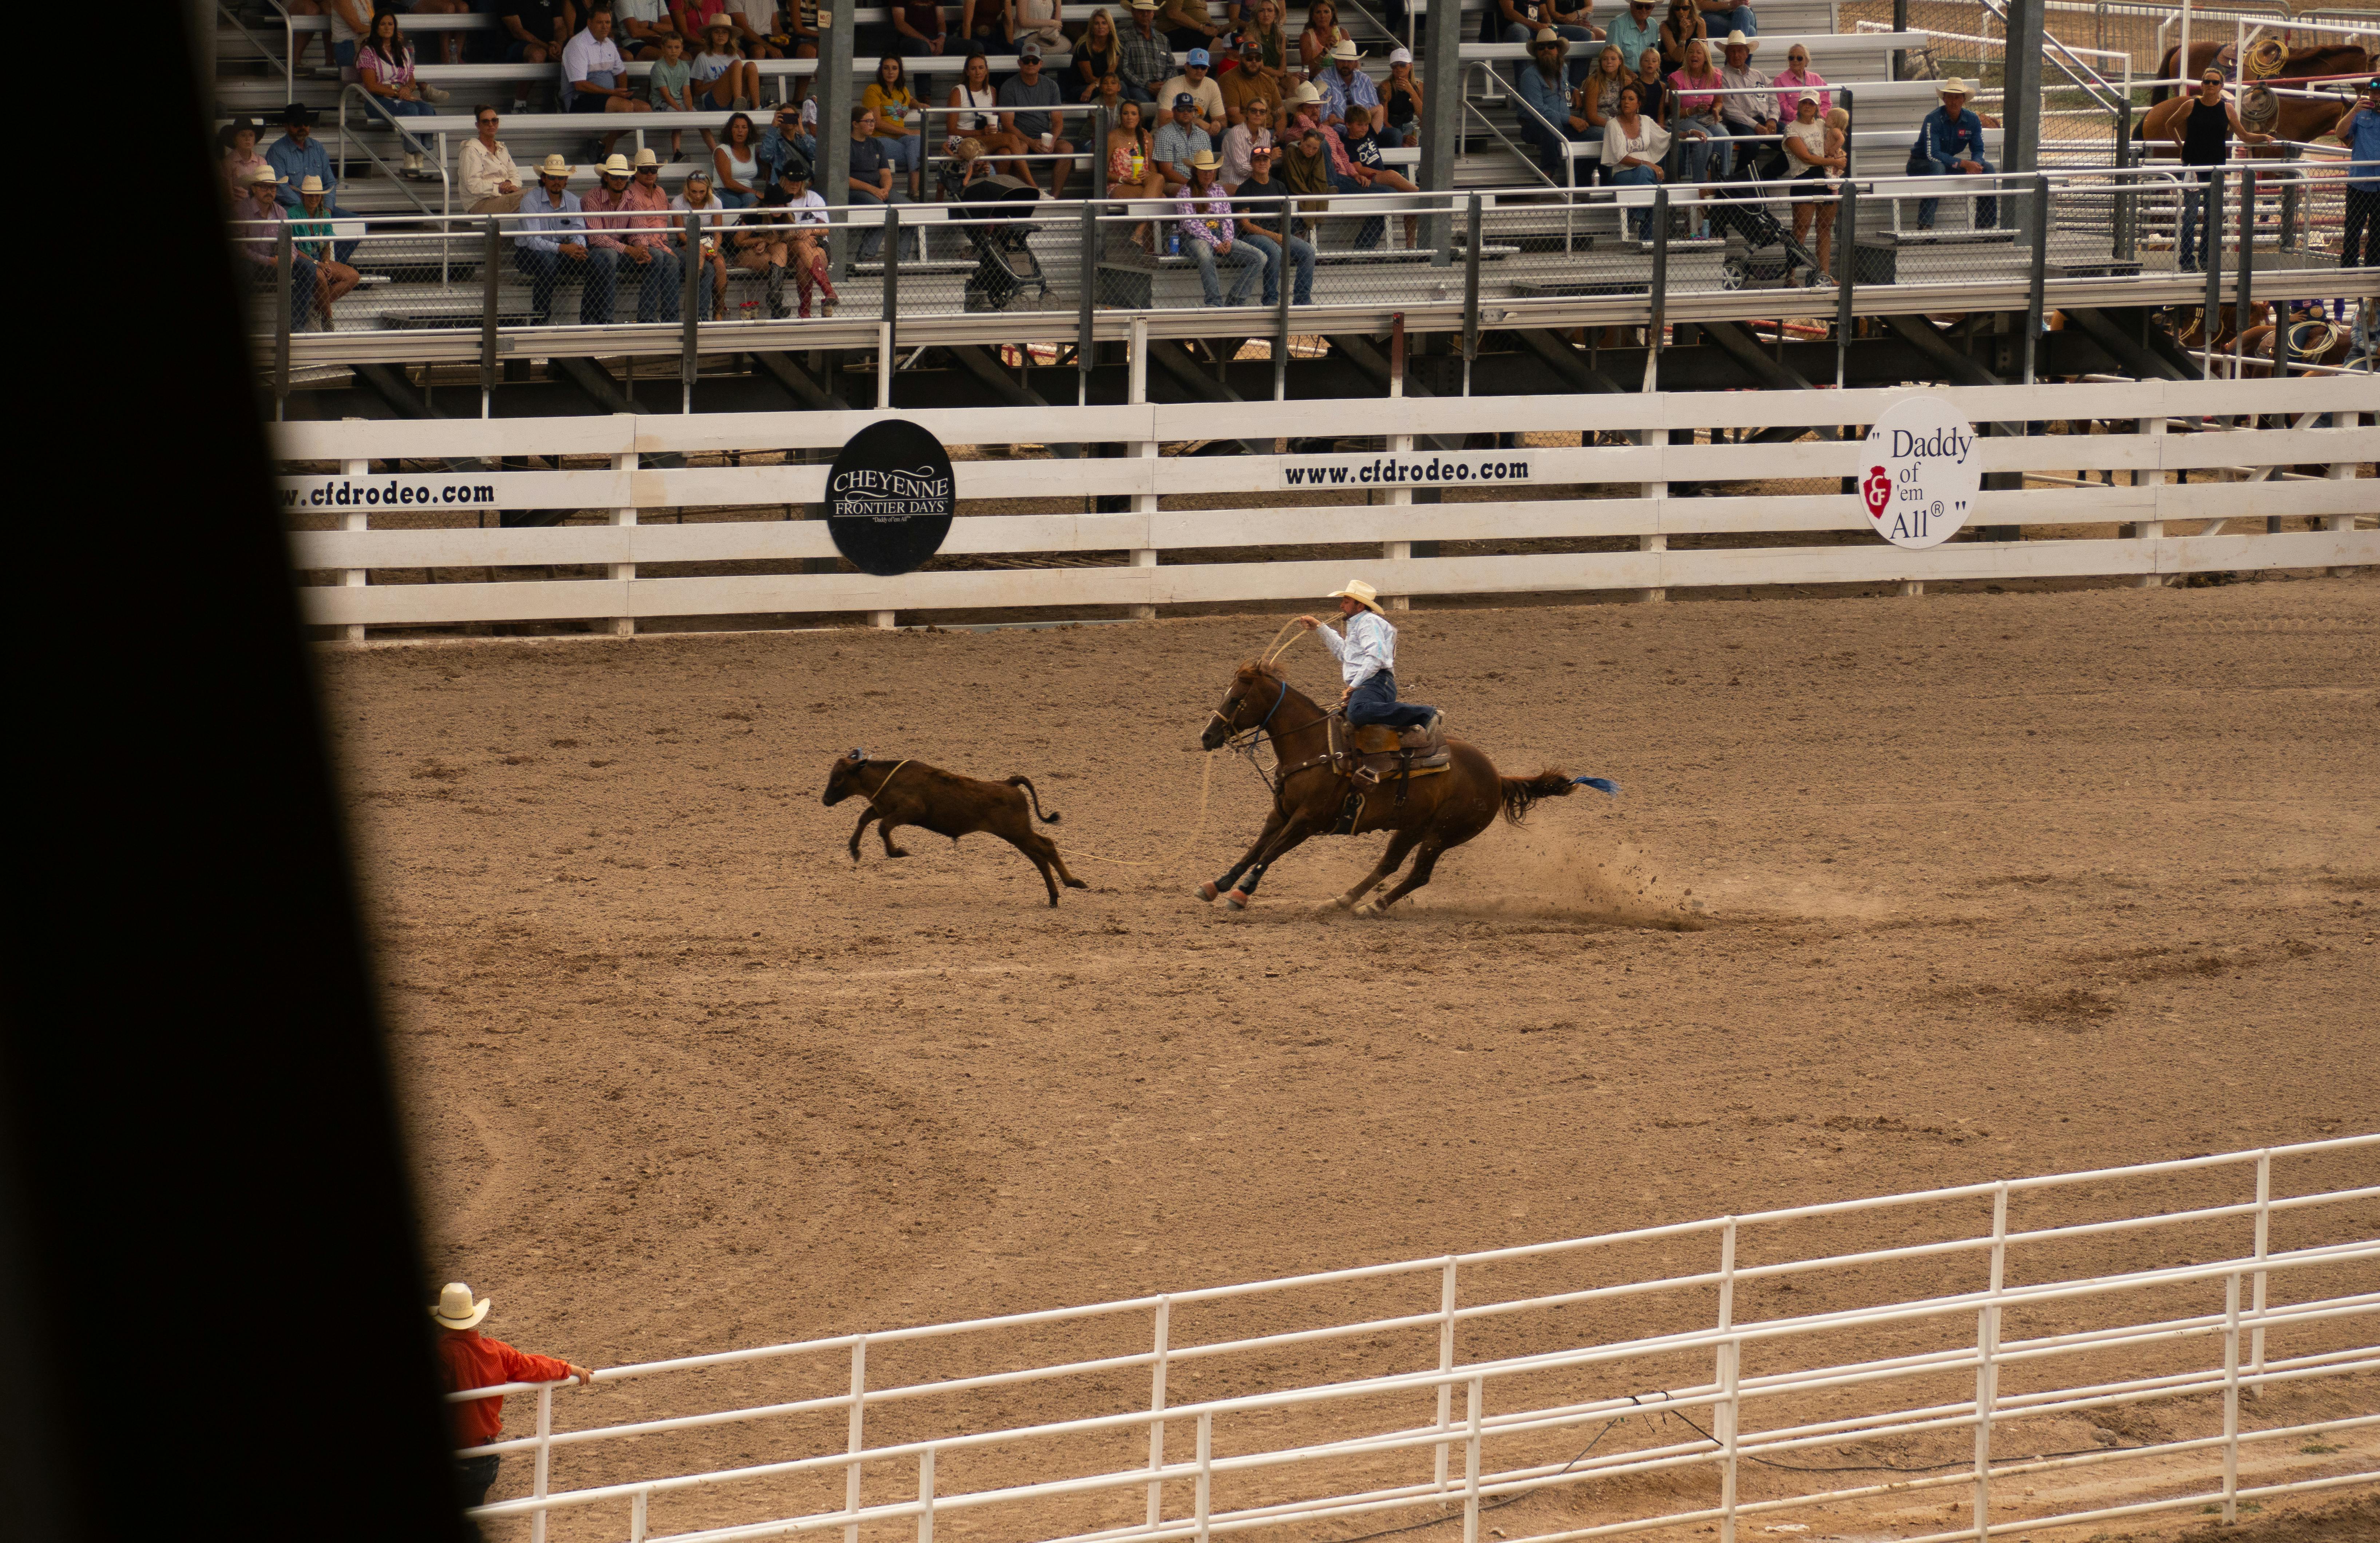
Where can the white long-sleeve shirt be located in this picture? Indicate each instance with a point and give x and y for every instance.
(1369, 646)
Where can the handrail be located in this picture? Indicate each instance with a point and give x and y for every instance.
(289, 46)
(2083, 75)
(401, 184)
(1501, 138)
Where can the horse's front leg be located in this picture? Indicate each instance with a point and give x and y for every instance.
(1231, 876)
(1294, 830)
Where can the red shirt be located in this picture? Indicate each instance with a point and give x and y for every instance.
(470, 1359)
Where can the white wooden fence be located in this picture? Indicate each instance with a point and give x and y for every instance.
(2174, 427)
(1959, 1323)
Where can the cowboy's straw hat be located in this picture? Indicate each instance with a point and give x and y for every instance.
(1345, 51)
(1306, 91)
(718, 24)
(1546, 37)
(647, 158)
(1362, 594)
(616, 166)
(554, 165)
(1951, 87)
(263, 173)
(455, 1308)
(1204, 160)
(312, 185)
(1737, 40)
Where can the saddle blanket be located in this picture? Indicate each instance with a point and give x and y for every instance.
(1371, 752)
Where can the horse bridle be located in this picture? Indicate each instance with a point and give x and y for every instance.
(1230, 733)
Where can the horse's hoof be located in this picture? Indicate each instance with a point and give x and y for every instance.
(1207, 892)
(1237, 900)
(1370, 909)
(1336, 903)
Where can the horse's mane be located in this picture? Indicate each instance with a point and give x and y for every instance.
(1261, 668)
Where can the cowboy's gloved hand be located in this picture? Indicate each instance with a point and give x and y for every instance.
(1308, 622)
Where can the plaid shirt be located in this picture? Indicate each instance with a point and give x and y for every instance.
(1147, 62)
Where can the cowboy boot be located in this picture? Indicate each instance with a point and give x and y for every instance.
(776, 291)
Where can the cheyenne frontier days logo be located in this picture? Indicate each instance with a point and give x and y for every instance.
(1919, 472)
(890, 497)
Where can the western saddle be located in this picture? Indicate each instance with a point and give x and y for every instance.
(1373, 752)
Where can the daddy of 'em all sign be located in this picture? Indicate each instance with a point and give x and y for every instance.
(1921, 472)
(890, 497)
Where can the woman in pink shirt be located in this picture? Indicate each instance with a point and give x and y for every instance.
(1796, 78)
(1694, 118)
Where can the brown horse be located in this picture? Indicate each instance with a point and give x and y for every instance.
(1430, 813)
(2297, 118)
(2330, 58)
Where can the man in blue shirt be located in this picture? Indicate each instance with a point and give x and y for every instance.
(1635, 31)
(2361, 132)
(297, 155)
(1951, 143)
(550, 246)
(1545, 88)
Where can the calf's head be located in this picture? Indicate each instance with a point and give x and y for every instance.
(842, 778)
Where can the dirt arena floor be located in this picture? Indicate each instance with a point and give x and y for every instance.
(1898, 894)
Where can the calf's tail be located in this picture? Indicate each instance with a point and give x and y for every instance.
(1026, 783)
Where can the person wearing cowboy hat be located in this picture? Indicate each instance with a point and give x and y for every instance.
(468, 1359)
(1524, 19)
(1349, 98)
(641, 209)
(1544, 86)
(297, 155)
(722, 76)
(1144, 59)
(1951, 143)
(255, 220)
(311, 232)
(1368, 661)
(550, 246)
(1743, 109)
(1209, 236)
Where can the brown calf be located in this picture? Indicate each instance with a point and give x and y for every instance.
(911, 792)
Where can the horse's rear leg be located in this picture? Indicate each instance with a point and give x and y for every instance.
(1414, 880)
(1399, 845)
(1230, 878)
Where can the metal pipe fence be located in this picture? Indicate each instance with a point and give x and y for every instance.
(2280, 1286)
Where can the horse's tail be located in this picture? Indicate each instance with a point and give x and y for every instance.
(1521, 794)
(1026, 783)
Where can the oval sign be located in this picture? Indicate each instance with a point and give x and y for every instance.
(1920, 472)
(890, 497)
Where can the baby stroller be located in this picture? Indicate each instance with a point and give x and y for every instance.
(1004, 266)
(1741, 210)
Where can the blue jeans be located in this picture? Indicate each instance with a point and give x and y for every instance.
(1988, 211)
(1720, 23)
(1550, 141)
(1695, 156)
(1579, 61)
(1243, 256)
(2194, 222)
(1390, 137)
(736, 201)
(1133, 91)
(388, 112)
(1375, 701)
(1639, 221)
(598, 271)
(903, 152)
(1301, 257)
(1369, 234)
(657, 285)
(874, 240)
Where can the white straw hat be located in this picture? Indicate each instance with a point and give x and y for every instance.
(1204, 160)
(455, 1309)
(263, 173)
(1361, 593)
(1737, 40)
(312, 185)
(647, 158)
(616, 166)
(1951, 87)
(1547, 35)
(1345, 51)
(554, 165)
(1306, 91)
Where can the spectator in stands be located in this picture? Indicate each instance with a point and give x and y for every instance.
(350, 25)
(1203, 88)
(635, 218)
(490, 180)
(1632, 151)
(594, 77)
(802, 22)
(1264, 224)
(792, 135)
(1814, 168)
(549, 246)
(1241, 144)
(762, 244)
(1178, 141)
(311, 232)
(1727, 14)
(1147, 61)
(1040, 20)
(467, 1359)
(256, 222)
(1100, 53)
(872, 183)
(1695, 117)
(1026, 99)
(1544, 86)
(535, 31)
(1323, 34)
(803, 215)
(2204, 136)
(1681, 25)
(1306, 169)
(1400, 98)
(725, 79)
(1209, 237)
(1132, 166)
(1652, 91)
(1250, 82)
(2360, 131)
(1798, 77)
(918, 27)
(977, 115)
(711, 226)
(1109, 98)
(670, 88)
(1349, 100)
(1186, 24)
(1744, 113)
(1593, 105)
(1951, 143)
(1372, 174)
(1273, 45)
(890, 98)
(737, 163)
(983, 24)
(240, 160)
(1524, 19)
(639, 26)
(384, 69)
(757, 29)
(1633, 30)
(297, 155)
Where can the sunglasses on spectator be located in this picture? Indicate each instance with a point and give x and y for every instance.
(486, 122)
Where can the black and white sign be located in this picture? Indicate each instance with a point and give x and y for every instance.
(890, 497)
(1919, 472)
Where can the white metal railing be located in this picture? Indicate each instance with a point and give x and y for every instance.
(1343, 1447)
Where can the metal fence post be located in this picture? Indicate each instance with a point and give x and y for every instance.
(1724, 1416)
(284, 277)
(1157, 1407)
(490, 269)
(1655, 311)
(2211, 251)
(891, 295)
(1988, 1367)
(1285, 274)
(2231, 1399)
(1470, 290)
(1085, 349)
(1847, 270)
(544, 1460)
(1445, 1361)
(858, 1407)
(1206, 1471)
(2263, 1230)
(2038, 290)
(1474, 1396)
(690, 306)
(2243, 288)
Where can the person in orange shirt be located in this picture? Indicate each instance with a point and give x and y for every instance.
(468, 1359)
